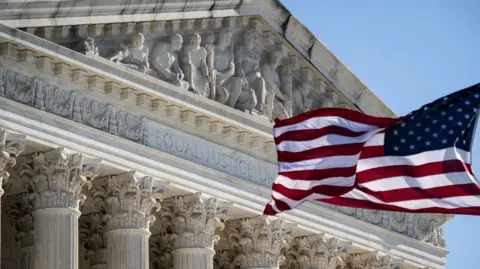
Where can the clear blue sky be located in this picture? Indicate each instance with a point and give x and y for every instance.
(409, 53)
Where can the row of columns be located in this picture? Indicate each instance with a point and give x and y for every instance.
(117, 234)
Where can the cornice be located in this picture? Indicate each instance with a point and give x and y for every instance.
(51, 13)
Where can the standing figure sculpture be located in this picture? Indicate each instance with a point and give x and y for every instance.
(275, 95)
(135, 56)
(227, 86)
(164, 61)
(248, 69)
(301, 99)
(194, 65)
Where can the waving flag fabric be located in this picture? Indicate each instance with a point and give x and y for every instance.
(417, 163)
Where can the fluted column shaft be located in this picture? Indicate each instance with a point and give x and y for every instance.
(127, 248)
(189, 258)
(56, 238)
(127, 202)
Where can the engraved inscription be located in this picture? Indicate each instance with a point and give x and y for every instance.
(210, 154)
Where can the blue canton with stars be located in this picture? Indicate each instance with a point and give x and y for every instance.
(447, 122)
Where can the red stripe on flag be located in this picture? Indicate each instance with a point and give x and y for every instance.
(423, 170)
(338, 112)
(320, 152)
(320, 174)
(306, 135)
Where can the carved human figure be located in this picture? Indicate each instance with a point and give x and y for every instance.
(134, 56)
(164, 61)
(195, 66)
(275, 95)
(89, 46)
(227, 86)
(301, 98)
(248, 69)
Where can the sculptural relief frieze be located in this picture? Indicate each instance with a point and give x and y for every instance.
(241, 67)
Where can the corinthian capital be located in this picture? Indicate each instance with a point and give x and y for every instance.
(59, 177)
(93, 238)
(315, 252)
(128, 200)
(20, 213)
(10, 146)
(194, 220)
(259, 242)
(161, 247)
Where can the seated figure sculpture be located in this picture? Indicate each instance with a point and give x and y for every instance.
(193, 63)
(134, 56)
(248, 69)
(227, 86)
(275, 95)
(301, 100)
(164, 61)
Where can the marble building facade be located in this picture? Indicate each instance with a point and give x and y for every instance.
(137, 134)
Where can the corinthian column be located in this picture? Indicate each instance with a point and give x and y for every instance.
(10, 146)
(57, 184)
(316, 252)
(259, 242)
(127, 201)
(193, 220)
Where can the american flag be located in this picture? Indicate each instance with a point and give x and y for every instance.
(417, 163)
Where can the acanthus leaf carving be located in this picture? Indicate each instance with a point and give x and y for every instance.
(93, 238)
(11, 145)
(194, 220)
(315, 252)
(128, 200)
(21, 217)
(161, 247)
(259, 242)
(59, 178)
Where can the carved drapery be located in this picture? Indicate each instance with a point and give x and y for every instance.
(259, 242)
(315, 252)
